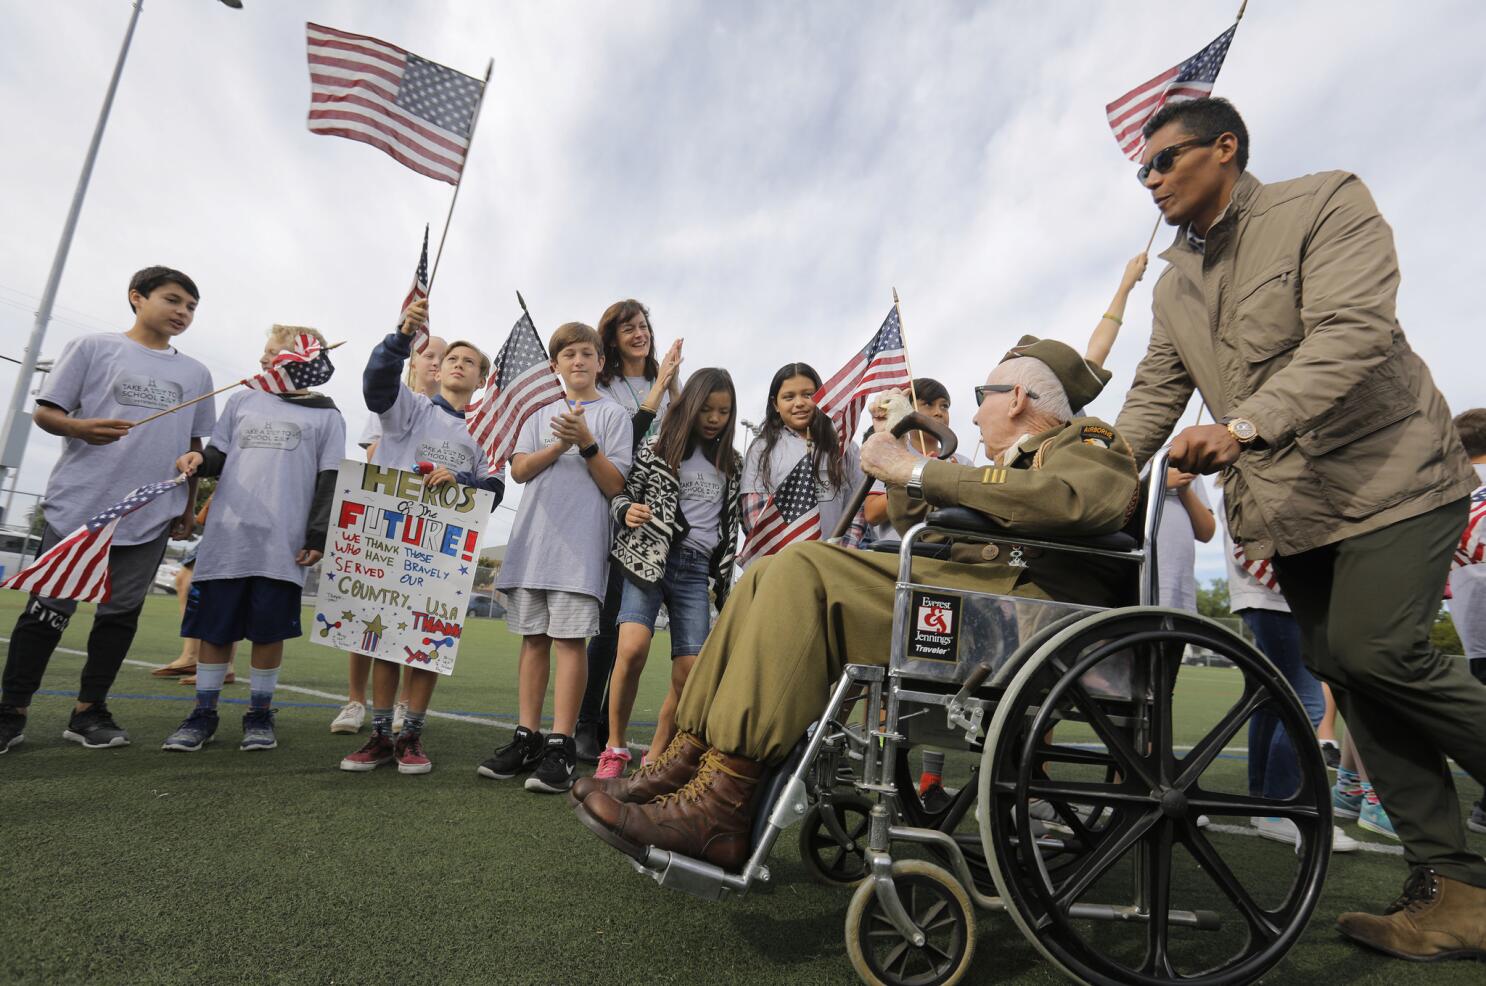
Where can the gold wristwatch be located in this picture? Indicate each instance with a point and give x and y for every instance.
(1243, 430)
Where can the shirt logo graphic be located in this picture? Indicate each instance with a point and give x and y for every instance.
(282, 435)
(146, 391)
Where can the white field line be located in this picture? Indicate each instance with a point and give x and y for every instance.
(1377, 847)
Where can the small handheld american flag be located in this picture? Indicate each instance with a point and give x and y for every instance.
(1472, 547)
(1260, 571)
(1192, 79)
(419, 292)
(306, 365)
(521, 383)
(76, 567)
(881, 364)
(421, 113)
(792, 514)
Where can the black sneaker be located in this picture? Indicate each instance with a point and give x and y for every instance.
(589, 745)
(95, 728)
(516, 757)
(554, 774)
(12, 727)
(1332, 753)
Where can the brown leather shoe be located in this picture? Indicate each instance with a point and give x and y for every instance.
(666, 773)
(1435, 918)
(711, 818)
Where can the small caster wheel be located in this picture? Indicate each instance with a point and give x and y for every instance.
(937, 904)
(826, 859)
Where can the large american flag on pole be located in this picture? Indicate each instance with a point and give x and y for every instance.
(420, 112)
(419, 292)
(792, 514)
(306, 365)
(881, 364)
(76, 567)
(521, 382)
(1192, 79)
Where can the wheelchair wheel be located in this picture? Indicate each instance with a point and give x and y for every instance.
(937, 904)
(826, 859)
(1210, 905)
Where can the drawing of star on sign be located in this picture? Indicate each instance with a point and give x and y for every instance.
(373, 635)
(346, 614)
(402, 626)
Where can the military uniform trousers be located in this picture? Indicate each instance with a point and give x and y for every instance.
(793, 622)
(1365, 606)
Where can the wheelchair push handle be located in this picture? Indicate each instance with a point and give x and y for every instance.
(911, 422)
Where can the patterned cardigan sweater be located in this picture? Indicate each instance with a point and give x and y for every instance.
(642, 551)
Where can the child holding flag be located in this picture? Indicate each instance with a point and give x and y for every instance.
(277, 449)
(417, 430)
(573, 456)
(101, 385)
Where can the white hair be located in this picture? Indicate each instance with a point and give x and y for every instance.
(1037, 377)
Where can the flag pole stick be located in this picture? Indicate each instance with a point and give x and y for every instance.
(912, 393)
(527, 312)
(198, 400)
(474, 121)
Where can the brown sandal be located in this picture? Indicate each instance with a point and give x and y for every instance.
(173, 671)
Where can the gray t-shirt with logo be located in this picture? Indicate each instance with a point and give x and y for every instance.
(276, 449)
(561, 536)
(701, 502)
(415, 430)
(109, 375)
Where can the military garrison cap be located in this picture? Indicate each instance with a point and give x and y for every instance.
(1082, 379)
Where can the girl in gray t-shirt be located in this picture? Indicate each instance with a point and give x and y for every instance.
(794, 429)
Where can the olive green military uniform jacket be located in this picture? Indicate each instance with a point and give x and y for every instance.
(1076, 479)
(1286, 318)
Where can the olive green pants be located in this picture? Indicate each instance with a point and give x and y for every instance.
(793, 622)
(1365, 606)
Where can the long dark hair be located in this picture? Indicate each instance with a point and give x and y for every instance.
(614, 316)
(826, 447)
(678, 430)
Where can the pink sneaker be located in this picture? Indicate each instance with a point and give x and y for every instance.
(377, 751)
(611, 765)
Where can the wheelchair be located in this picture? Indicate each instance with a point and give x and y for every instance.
(1081, 818)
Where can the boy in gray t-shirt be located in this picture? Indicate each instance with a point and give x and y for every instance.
(102, 384)
(573, 455)
(278, 456)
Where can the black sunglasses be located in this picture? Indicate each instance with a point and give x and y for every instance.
(1165, 158)
(999, 388)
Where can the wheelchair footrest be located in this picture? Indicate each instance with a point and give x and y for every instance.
(693, 876)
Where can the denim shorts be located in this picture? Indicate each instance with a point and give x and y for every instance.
(684, 591)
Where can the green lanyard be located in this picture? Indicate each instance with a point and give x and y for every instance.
(655, 422)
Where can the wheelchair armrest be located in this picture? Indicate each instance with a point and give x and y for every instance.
(963, 520)
(921, 549)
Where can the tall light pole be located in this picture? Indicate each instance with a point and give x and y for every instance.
(17, 426)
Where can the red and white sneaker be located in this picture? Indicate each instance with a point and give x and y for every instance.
(377, 751)
(611, 764)
(410, 756)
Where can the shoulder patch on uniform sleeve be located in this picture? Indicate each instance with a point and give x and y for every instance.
(1096, 435)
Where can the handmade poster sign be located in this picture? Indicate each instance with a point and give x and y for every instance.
(399, 566)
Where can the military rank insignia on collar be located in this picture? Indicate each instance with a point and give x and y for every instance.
(1096, 435)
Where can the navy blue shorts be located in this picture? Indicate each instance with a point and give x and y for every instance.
(224, 611)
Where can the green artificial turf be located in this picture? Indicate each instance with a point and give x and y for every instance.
(138, 866)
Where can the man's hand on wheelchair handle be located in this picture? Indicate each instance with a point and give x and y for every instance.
(884, 458)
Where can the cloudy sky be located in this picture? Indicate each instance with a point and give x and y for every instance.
(762, 175)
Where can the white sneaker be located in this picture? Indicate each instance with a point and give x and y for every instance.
(398, 712)
(1284, 830)
(349, 719)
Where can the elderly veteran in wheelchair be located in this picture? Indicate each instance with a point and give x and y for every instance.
(798, 618)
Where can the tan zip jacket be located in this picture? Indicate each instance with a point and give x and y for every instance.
(1287, 319)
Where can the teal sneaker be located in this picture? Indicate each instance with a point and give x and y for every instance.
(1374, 819)
(1346, 802)
(258, 730)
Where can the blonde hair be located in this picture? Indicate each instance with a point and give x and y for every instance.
(569, 333)
(284, 336)
(411, 377)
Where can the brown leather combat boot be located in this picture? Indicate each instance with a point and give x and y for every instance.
(711, 818)
(1435, 918)
(668, 772)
